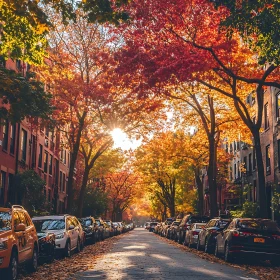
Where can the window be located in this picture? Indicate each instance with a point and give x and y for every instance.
(23, 144)
(5, 135)
(60, 181)
(245, 164)
(278, 105)
(46, 162)
(50, 164)
(2, 186)
(278, 153)
(12, 139)
(254, 159)
(250, 163)
(266, 117)
(238, 169)
(40, 156)
(235, 174)
(63, 180)
(267, 156)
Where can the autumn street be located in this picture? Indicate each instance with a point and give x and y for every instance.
(143, 255)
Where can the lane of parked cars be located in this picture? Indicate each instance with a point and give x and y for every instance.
(239, 238)
(26, 241)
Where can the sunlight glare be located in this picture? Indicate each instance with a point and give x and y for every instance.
(122, 141)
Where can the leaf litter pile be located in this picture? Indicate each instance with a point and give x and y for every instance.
(64, 268)
(263, 270)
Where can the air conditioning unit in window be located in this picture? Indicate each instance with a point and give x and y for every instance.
(267, 168)
(278, 120)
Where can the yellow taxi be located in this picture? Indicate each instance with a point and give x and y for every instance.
(18, 241)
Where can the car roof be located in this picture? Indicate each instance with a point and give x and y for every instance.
(53, 217)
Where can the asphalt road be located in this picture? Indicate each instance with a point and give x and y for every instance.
(141, 255)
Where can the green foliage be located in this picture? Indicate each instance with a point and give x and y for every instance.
(249, 210)
(24, 97)
(258, 23)
(30, 187)
(95, 202)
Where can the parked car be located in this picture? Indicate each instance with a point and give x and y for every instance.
(91, 229)
(68, 232)
(117, 228)
(186, 224)
(103, 230)
(46, 243)
(207, 236)
(192, 234)
(166, 225)
(121, 226)
(152, 226)
(157, 227)
(18, 241)
(112, 230)
(248, 237)
(172, 230)
(147, 225)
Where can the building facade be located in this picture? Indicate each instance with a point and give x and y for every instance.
(29, 145)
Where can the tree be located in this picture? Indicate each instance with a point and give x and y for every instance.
(163, 171)
(121, 188)
(30, 189)
(184, 40)
(255, 21)
(23, 97)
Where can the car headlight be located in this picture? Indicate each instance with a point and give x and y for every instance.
(3, 244)
(59, 236)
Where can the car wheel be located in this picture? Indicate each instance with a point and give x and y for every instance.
(78, 248)
(51, 254)
(93, 238)
(275, 262)
(12, 271)
(190, 244)
(68, 249)
(206, 247)
(33, 264)
(228, 256)
(217, 250)
(198, 247)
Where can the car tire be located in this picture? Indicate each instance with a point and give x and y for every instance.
(275, 262)
(198, 246)
(206, 246)
(33, 264)
(78, 247)
(67, 249)
(228, 257)
(93, 239)
(12, 271)
(51, 254)
(216, 253)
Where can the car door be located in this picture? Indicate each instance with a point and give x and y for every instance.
(202, 233)
(71, 232)
(29, 235)
(21, 238)
(224, 235)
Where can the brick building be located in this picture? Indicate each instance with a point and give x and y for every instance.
(26, 146)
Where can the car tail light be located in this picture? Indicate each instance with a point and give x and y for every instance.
(276, 237)
(195, 233)
(186, 226)
(235, 233)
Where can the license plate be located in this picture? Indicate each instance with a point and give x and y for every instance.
(259, 240)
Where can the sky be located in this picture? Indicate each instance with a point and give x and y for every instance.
(121, 140)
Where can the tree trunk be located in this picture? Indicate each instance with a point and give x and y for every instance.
(83, 191)
(200, 192)
(261, 177)
(73, 159)
(212, 180)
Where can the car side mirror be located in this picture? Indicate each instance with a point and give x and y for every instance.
(71, 227)
(20, 227)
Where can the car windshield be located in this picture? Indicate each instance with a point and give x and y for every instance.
(98, 222)
(199, 226)
(154, 224)
(50, 224)
(222, 224)
(116, 224)
(258, 225)
(198, 220)
(176, 223)
(86, 222)
(5, 221)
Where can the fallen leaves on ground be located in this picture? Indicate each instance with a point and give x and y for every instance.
(64, 268)
(263, 270)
